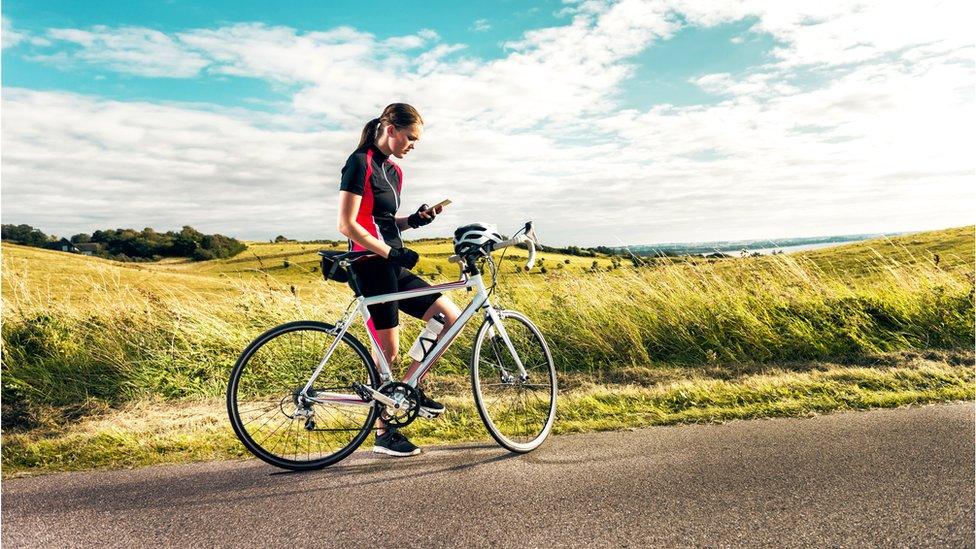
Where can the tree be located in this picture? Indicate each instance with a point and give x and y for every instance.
(132, 245)
(24, 234)
(280, 238)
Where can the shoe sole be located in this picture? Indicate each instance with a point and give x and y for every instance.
(389, 452)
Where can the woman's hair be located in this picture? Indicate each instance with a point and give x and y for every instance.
(399, 115)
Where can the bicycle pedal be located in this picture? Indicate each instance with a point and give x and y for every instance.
(428, 415)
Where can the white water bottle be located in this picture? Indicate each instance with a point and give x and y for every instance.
(427, 338)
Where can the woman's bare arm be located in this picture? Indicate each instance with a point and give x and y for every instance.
(351, 229)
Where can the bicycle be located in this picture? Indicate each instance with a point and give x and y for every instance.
(306, 394)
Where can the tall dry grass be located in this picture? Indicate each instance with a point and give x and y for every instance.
(148, 340)
(777, 308)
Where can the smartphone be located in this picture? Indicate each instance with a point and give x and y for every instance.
(440, 205)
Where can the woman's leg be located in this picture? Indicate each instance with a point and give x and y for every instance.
(451, 312)
(389, 340)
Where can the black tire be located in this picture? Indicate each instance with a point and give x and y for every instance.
(518, 415)
(263, 390)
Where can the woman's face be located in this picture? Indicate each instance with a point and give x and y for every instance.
(401, 141)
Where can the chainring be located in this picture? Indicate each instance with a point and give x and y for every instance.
(407, 407)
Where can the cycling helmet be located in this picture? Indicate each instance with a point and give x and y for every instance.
(471, 239)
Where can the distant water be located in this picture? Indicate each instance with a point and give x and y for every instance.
(797, 248)
(763, 247)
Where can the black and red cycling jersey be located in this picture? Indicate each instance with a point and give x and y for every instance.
(370, 174)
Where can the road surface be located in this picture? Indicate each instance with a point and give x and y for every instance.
(902, 477)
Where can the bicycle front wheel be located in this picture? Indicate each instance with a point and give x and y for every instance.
(518, 412)
(285, 426)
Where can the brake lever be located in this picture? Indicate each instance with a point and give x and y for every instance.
(530, 232)
(531, 240)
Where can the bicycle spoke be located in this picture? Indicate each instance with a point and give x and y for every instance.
(268, 407)
(271, 435)
(270, 410)
(261, 428)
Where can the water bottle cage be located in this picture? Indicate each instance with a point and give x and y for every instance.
(426, 346)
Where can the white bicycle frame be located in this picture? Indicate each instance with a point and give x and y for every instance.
(479, 301)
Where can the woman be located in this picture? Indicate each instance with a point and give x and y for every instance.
(369, 197)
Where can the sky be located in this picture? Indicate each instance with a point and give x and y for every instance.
(604, 122)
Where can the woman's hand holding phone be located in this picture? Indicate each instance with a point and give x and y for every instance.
(439, 207)
(425, 214)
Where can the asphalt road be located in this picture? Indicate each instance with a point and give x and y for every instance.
(900, 477)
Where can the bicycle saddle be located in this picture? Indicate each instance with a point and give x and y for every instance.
(339, 255)
(331, 259)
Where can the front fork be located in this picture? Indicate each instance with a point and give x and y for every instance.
(496, 324)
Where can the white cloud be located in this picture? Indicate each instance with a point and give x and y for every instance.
(11, 37)
(480, 25)
(138, 164)
(404, 42)
(856, 127)
(132, 50)
(757, 85)
(428, 34)
(835, 33)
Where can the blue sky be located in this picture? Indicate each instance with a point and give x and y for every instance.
(662, 71)
(606, 122)
(452, 21)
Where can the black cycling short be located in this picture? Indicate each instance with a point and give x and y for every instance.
(378, 276)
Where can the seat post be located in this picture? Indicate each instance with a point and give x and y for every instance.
(354, 280)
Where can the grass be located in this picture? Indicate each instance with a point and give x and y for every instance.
(153, 432)
(87, 340)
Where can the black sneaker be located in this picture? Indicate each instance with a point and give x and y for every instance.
(393, 443)
(429, 408)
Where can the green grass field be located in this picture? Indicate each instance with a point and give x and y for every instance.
(108, 364)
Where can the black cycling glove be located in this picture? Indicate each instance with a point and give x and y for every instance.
(404, 257)
(415, 220)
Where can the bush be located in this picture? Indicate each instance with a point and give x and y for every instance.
(201, 254)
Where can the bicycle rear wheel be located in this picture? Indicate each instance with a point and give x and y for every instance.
(280, 424)
(518, 413)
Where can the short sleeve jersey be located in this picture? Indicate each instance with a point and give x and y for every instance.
(370, 174)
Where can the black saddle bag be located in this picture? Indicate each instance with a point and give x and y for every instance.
(331, 269)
